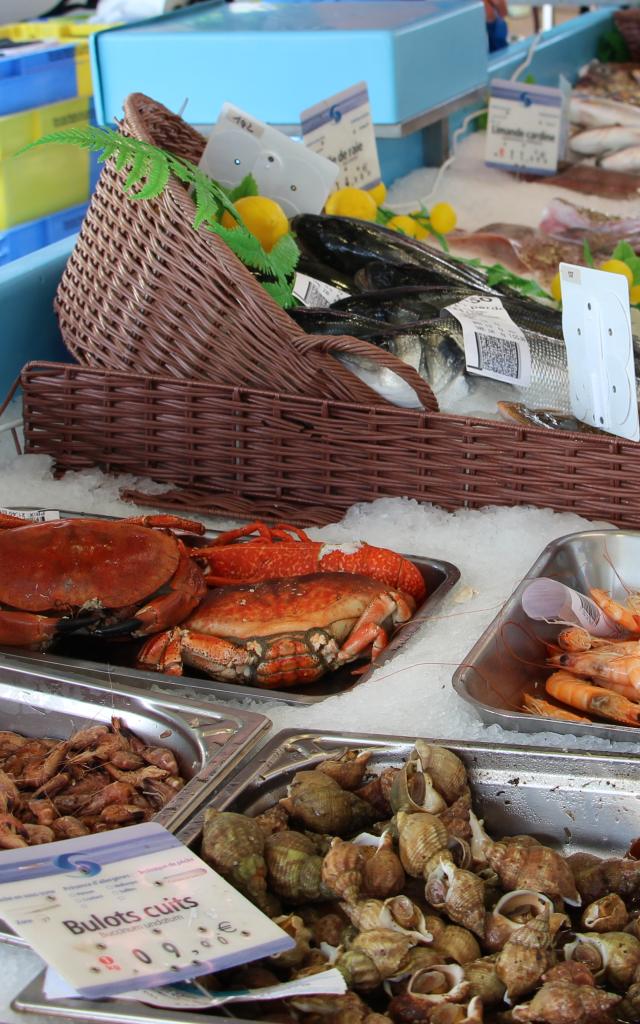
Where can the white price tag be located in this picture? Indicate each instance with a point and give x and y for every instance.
(284, 170)
(341, 128)
(190, 995)
(37, 515)
(120, 911)
(596, 326)
(311, 292)
(494, 345)
(526, 127)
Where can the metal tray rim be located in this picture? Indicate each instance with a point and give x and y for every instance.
(83, 668)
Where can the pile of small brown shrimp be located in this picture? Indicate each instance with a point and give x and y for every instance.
(101, 778)
(436, 922)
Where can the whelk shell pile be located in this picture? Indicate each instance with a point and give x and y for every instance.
(429, 919)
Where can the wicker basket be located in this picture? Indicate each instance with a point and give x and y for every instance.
(249, 453)
(144, 292)
(628, 24)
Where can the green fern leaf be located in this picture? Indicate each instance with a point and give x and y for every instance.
(247, 187)
(245, 246)
(157, 177)
(284, 256)
(280, 292)
(137, 168)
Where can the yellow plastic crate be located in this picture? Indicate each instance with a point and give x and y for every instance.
(18, 130)
(42, 181)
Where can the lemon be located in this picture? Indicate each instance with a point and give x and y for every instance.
(555, 289)
(352, 202)
(443, 218)
(378, 193)
(634, 295)
(408, 226)
(618, 267)
(263, 217)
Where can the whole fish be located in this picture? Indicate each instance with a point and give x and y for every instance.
(598, 113)
(319, 271)
(348, 245)
(605, 140)
(552, 419)
(404, 305)
(625, 160)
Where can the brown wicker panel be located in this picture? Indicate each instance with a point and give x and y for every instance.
(144, 292)
(246, 453)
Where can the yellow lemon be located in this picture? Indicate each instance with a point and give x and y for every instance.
(352, 202)
(443, 218)
(618, 267)
(634, 295)
(263, 217)
(555, 289)
(378, 193)
(408, 226)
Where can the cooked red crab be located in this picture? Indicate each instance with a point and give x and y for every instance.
(110, 576)
(282, 633)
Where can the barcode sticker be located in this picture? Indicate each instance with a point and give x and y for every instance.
(494, 345)
(36, 515)
(312, 292)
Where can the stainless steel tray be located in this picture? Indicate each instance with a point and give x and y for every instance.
(509, 658)
(575, 801)
(209, 741)
(86, 658)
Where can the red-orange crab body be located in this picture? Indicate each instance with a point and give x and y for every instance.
(284, 551)
(282, 633)
(108, 576)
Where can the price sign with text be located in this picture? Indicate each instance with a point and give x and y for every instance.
(120, 911)
(526, 127)
(341, 128)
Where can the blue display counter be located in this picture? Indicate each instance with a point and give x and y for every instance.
(276, 59)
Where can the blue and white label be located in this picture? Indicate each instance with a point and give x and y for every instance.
(121, 911)
(526, 127)
(341, 128)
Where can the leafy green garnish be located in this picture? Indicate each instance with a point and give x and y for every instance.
(383, 216)
(586, 252)
(497, 274)
(247, 187)
(148, 170)
(612, 47)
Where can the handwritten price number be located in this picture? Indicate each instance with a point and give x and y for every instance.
(243, 123)
(109, 963)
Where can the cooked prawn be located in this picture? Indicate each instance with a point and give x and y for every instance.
(625, 616)
(544, 708)
(594, 699)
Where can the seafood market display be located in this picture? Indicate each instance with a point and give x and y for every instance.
(100, 778)
(390, 877)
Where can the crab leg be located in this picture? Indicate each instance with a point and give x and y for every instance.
(578, 694)
(183, 594)
(27, 629)
(368, 630)
(168, 521)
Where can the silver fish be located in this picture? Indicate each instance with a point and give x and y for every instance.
(625, 160)
(598, 112)
(605, 140)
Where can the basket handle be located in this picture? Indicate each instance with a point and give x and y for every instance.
(356, 346)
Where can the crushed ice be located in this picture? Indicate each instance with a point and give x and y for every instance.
(412, 693)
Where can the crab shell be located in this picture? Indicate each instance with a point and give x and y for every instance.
(108, 568)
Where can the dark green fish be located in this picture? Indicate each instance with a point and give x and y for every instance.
(347, 245)
(321, 272)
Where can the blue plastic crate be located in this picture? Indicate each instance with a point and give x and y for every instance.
(35, 234)
(32, 79)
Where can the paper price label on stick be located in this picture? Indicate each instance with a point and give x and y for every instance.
(526, 127)
(341, 128)
(494, 346)
(36, 515)
(596, 325)
(120, 911)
